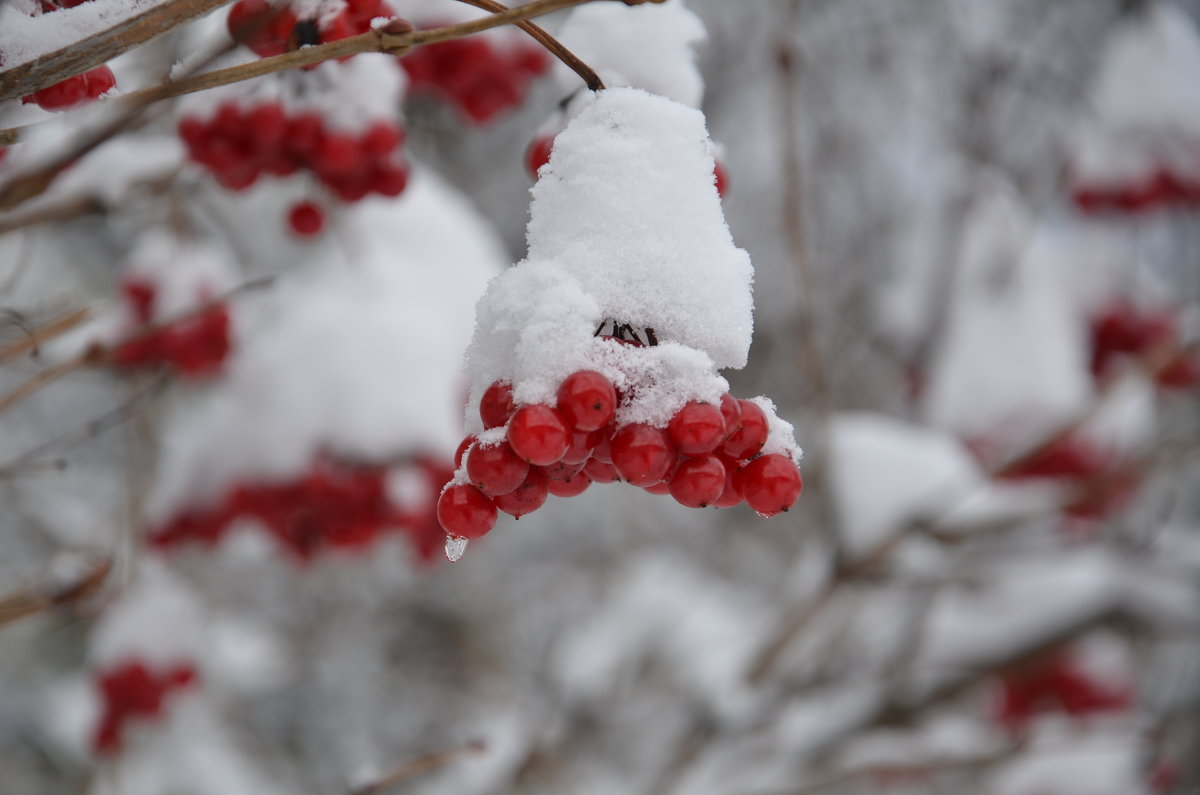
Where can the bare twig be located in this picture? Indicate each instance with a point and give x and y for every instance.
(30, 601)
(415, 767)
(30, 342)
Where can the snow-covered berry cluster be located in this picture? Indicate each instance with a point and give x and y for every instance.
(1057, 683)
(134, 691)
(195, 345)
(707, 455)
(336, 504)
(1122, 331)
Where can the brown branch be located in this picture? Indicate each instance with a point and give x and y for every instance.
(36, 600)
(415, 767)
(30, 342)
(47, 376)
(77, 57)
(552, 44)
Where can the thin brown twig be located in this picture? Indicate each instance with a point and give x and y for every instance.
(422, 764)
(36, 337)
(552, 44)
(36, 600)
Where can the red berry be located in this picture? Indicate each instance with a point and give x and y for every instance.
(538, 154)
(99, 81)
(587, 399)
(698, 482)
(563, 471)
(571, 487)
(527, 497)
(748, 439)
(306, 219)
(601, 471)
(582, 445)
(496, 405)
(731, 412)
(642, 454)
(380, 138)
(661, 488)
(496, 469)
(466, 512)
(260, 26)
(62, 95)
(268, 124)
(771, 484)
(338, 154)
(697, 428)
(603, 449)
(731, 494)
(539, 434)
(462, 449)
(721, 178)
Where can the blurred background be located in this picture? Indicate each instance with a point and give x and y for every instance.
(231, 389)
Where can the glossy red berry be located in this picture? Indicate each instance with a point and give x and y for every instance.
(661, 488)
(748, 439)
(538, 154)
(496, 405)
(539, 434)
(462, 450)
(587, 399)
(697, 428)
(527, 497)
(601, 471)
(306, 219)
(562, 470)
(731, 412)
(642, 454)
(582, 445)
(698, 482)
(496, 469)
(771, 484)
(721, 178)
(731, 493)
(466, 512)
(263, 28)
(571, 487)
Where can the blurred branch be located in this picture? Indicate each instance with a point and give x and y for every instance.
(35, 337)
(422, 764)
(35, 600)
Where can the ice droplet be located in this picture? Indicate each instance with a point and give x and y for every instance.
(455, 547)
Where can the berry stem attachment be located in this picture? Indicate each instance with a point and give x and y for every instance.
(556, 48)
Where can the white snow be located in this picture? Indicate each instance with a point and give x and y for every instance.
(156, 619)
(24, 38)
(625, 224)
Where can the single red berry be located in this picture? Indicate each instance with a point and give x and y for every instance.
(496, 405)
(306, 219)
(721, 178)
(466, 512)
(339, 154)
(731, 412)
(462, 449)
(268, 124)
(563, 471)
(587, 399)
(698, 482)
(771, 484)
(601, 471)
(571, 487)
(751, 436)
(603, 449)
(527, 497)
(697, 428)
(538, 154)
(140, 294)
(496, 469)
(260, 26)
(582, 445)
(99, 81)
(62, 95)
(642, 454)
(731, 494)
(539, 434)
(380, 138)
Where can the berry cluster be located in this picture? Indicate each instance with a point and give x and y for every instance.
(1054, 685)
(1101, 485)
(1161, 189)
(239, 145)
(479, 78)
(273, 29)
(708, 455)
(1121, 331)
(538, 155)
(130, 691)
(335, 505)
(74, 91)
(194, 346)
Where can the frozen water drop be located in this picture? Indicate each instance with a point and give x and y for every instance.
(455, 547)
